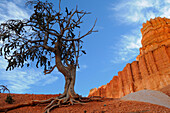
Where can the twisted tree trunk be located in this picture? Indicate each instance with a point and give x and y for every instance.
(69, 83)
(69, 97)
(70, 76)
(69, 73)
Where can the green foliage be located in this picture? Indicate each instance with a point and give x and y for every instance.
(46, 34)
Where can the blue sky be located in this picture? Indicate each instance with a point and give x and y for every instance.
(108, 51)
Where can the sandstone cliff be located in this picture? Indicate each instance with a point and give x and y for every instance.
(151, 70)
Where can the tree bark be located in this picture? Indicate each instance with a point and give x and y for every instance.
(69, 83)
(70, 77)
(69, 73)
(69, 97)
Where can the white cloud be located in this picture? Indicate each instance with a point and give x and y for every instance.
(141, 10)
(50, 79)
(136, 12)
(19, 80)
(17, 12)
(12, 10)
(1, 42)
(167, 1)
(127, 48)
(150, 14)
(165, 11)
(3, 63)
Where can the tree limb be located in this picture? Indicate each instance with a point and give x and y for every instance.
(49, 71)
(89, 32)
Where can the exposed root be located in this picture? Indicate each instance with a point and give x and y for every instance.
(31, 103)
(57, 102)
(54, 102)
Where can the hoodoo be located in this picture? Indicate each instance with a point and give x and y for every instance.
(151, 70)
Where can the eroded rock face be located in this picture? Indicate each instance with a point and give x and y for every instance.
(151, 70)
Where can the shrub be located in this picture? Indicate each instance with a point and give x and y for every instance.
(9, 98)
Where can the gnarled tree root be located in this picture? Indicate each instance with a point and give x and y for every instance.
(53, 102)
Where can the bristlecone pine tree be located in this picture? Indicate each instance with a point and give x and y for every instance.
(47, 35)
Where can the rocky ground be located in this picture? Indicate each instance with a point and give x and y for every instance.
(150, 96)
(107, 106)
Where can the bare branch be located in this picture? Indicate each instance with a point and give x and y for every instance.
(89, 32)
(69, 20)
(74, 48)
(4, 88)
(50, 31)
(67, 61)
(35, 41)
(77, 56)
(49, 71)
(59, 5)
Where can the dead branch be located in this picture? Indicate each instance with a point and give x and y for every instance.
(4, 88)
(49, 71)
(89, 32)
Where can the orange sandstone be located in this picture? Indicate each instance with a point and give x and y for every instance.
(151, 70)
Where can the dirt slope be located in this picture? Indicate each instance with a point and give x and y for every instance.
(107, 106)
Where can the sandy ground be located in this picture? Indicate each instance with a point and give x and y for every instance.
(150, 96)
(107, 106)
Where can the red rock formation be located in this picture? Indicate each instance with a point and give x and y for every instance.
(151, 70)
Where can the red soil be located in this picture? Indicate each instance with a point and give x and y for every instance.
(166, 90)
(107, 106)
